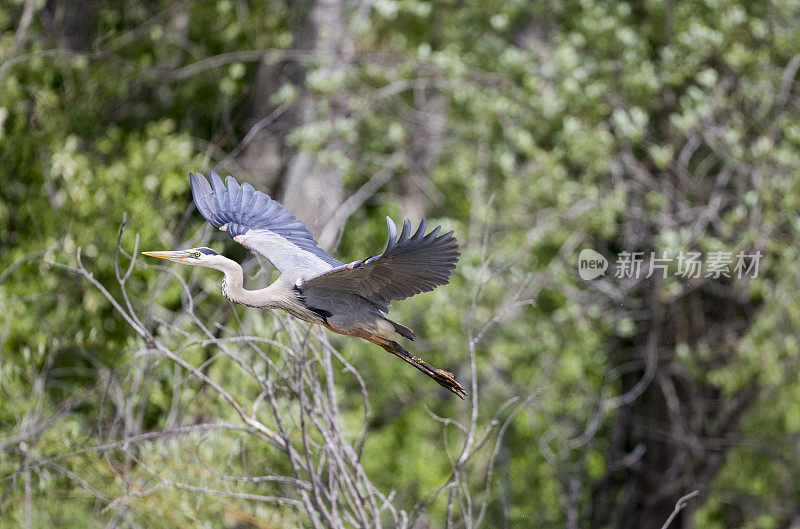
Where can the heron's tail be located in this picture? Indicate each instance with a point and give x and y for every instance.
(402, 330)
(444, 378)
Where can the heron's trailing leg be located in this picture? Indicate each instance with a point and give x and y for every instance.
(444, 378)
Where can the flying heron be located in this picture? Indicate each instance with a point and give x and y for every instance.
(352, 298)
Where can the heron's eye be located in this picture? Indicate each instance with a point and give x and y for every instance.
(197, 255)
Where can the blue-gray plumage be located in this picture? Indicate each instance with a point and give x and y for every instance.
(351, 298)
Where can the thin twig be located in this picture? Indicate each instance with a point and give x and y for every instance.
(679, 506)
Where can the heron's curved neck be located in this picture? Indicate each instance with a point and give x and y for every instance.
(233, 288)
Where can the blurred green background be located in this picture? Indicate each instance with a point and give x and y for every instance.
(533, 130)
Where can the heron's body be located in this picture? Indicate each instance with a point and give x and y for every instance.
(351, 299)
(343, 313)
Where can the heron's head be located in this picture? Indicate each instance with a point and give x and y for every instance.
(202, 256)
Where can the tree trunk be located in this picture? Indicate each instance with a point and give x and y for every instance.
(423, 149)
(311, 189)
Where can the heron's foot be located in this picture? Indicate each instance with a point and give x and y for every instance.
(448, 381)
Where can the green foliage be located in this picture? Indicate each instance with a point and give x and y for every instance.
(545, 102)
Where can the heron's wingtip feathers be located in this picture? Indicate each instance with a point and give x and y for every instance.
(201, 194)
(392, 238)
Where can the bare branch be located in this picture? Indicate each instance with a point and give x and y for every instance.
(679, 506)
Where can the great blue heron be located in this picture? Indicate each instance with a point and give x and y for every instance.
(351, 298)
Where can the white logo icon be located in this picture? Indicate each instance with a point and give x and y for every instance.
(591, 264)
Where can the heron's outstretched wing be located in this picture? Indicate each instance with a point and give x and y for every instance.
(261, 224)
(408, 266)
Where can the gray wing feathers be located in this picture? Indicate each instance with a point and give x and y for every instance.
(411, 264)
(264, 225)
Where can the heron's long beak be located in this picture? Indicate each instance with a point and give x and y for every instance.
(171, 255)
